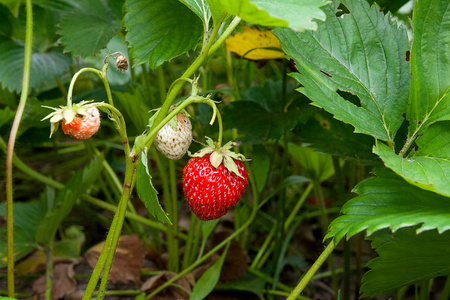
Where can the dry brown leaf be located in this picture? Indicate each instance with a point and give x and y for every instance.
(172, 292)
(128, 259)
(62, 283)
(236, 262)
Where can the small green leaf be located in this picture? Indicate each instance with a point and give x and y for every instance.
(147, 191)
(87, 29)
(430, 87)
(158, 31)
(6, 114)
(388, 201)
(75, 187)
(318, 166)
(218, 12)
(260, 165)
(405, 258)
(361, 54)
(209, 279)
(297, 15)
(427, 172)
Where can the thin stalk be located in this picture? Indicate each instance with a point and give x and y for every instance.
(49, 271)
(189, 240)
(445, 294)
(107, 254)
(174, 216)
(11, 144)
(314, 268)
(258, 258)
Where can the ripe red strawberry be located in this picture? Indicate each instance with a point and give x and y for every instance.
(174, 138)
(80, 121)
(83, 126)
(214, 181)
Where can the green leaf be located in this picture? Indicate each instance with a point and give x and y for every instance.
(388, 201)
(435, 141)
(6, 115)
(12, 5)
(27, 216)
(133, 105)
(200, 8)
(297, 15)
(265, 109)
(361, 54)
(325, 134)
(63, 204)
(430, 56)
(427, 172)
(250, 283)
(147, 191)
(318, 166)
(209, 279)
(218, 12)
(87, 29)
(260, 165)
(158, 31)
(45, 67)
(406, 258)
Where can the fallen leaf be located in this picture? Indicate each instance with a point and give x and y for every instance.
(236, 261)
(179, 290)
(63, 283)
(255, 44)
(128, 259)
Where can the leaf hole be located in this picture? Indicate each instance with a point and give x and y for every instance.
(342, 10)
(350, 97)
(326, 74)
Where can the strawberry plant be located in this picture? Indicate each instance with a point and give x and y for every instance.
(336, 161)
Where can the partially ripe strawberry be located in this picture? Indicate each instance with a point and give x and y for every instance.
(214, 181)
(175, 137)
(80, 121)
(83, 126)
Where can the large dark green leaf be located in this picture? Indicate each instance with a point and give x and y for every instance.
(75, 187)
(405, 258)
(361, 53)
(298, 15)
(45, 67)
(88, 28)
(264, 116)
(388, 201)
(158, 31)
(27, 216)
(430, 65)
(389, 5)
(328, 135)
(147, 192)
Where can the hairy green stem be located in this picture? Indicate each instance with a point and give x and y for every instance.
(314, 268)
(173, 229)
(11, 144)
(49, 271)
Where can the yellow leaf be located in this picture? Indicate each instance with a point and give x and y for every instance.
(254, 44)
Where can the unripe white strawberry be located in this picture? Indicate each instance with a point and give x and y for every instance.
(175, 137)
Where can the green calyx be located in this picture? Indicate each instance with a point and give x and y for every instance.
(221, 155)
